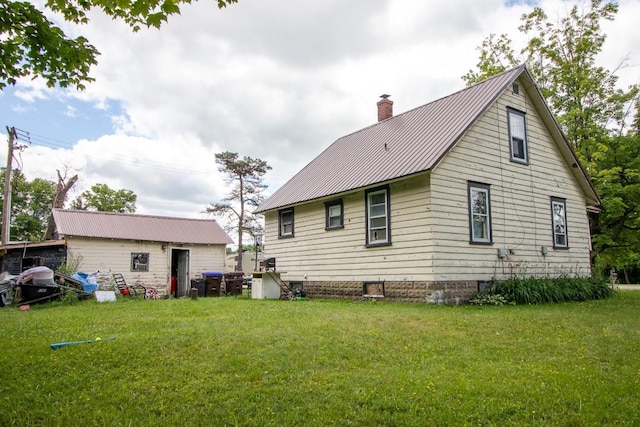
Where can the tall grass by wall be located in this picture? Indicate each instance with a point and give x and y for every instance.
(533, 290)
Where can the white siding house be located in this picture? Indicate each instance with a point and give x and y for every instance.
(432, 203)
(143, 248)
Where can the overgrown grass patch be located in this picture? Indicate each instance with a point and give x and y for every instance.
(541, 290)
(232, 361)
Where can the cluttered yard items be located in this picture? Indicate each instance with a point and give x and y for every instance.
(38, 284)
(7, 284)
(135, 289)
(41, 284)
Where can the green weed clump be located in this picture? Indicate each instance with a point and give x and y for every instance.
(537, 290)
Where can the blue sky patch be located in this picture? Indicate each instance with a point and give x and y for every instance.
(58, 123)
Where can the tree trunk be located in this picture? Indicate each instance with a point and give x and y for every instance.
(240, 225)
(58, 201)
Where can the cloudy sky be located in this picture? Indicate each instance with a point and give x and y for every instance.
(272, 79)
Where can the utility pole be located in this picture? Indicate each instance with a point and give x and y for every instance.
(6, 204)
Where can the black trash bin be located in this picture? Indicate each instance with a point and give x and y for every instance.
(213, 280)
(233, 283)
(199, 284)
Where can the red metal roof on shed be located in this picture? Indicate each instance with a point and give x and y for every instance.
(110, 225)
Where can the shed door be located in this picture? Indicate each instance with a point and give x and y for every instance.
(181, 257)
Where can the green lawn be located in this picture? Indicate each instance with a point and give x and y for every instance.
(236, 361)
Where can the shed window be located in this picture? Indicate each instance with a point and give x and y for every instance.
(285, 219)
(518, 136)
(139, 261)
(559, 222)
(479, 213)
(334, 216)
(378, 212)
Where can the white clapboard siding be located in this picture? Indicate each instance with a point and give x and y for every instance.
(114, 256)
(430, 216)
(520, 202)
(340, 255)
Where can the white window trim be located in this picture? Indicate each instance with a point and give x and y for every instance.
(525, 143)
(368, 195)
(485, 188)
(557, 201)
(328, 206)
(281, 225)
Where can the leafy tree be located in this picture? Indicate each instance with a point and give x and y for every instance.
(30, 206)
(32, 45)
(104, 199)
(617, 232)
(562, 58)
(245, 178)
(592, 111)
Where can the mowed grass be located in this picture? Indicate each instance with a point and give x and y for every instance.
(237, 361)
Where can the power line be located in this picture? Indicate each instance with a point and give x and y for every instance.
(48, 142)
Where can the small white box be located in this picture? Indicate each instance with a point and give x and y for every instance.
(105, 296)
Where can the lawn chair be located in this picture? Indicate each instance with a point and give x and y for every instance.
(135, 290)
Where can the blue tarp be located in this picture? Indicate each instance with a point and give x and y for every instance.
(88, 281)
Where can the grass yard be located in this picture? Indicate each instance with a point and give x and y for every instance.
(237, 361)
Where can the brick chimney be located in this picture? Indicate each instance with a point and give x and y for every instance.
(385, 108)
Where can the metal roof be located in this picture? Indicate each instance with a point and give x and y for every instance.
(110, 225)
(405, 144)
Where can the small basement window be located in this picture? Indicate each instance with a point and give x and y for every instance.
(373, 289)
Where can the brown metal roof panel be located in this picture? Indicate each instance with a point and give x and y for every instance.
(415, 141)
(111, 225)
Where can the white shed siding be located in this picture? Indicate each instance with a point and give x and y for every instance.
(114, 256)
(341, 255)
(206, 258)
(520, 202)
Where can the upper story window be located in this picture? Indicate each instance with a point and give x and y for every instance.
(559, 222)
(334, 214)
(479, 213)
(377, 216)
(518, 145)
(285, 223)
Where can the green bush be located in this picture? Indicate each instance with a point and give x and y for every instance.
(484, 298)
(536, 290)
(70, 266)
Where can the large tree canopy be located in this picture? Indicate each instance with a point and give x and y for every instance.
(30, 207)
(104, 199)
(562, 56)
(599, 119)
(32, 45)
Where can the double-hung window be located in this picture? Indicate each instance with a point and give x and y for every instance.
(334, 214)
(479, 213)
(559, 222)
(518, 136)
(377, 216)
(285, 223)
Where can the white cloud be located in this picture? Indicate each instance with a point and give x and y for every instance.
(272, 79)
